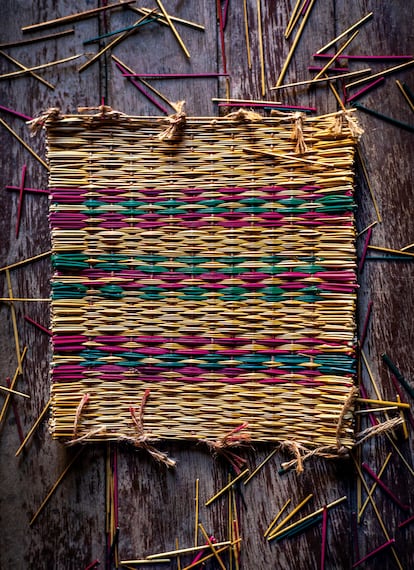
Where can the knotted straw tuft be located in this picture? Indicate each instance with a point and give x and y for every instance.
(176, 122)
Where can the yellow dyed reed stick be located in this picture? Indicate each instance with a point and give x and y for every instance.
(322, 79)
(374, 506)
(179, 567)
(336, 95)
(226, 487)
(14, 321)
(401, 456)
(288, 157)
(12, 384)
(334, 57)
(162, 20)
(112, 44)
(404, 94)
(375, 410)
(295, 43)
(402, 416)
(367, 228)
(32, 73)
(54, 487)
(390, 250)
(294, 17)
(290, 515)
(261, 51)
(13, 74)
(26, 146)
(371, 377)
(304, 519)
(384, 403)
(197, 510)
(21, 43)
(255, 471)
(277, 517)
(27, 260)
(74, 17)
(246, 34)
(235, 549)
(16, 392)
(411, 245)
(374, 486)
(381, 73)
(34, 427)
(365, 172)
(189, 550)
(207, 557)
(173, 28)
(211, 545)
(346, 32)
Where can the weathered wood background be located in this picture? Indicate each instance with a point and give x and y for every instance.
(156, 506)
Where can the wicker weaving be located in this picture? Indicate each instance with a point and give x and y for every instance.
(212, 269)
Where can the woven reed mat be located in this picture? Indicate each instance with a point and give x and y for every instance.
(203, 278)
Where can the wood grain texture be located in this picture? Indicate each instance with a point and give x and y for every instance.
(157, 506)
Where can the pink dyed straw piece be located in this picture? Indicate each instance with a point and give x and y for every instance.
(406, 522)
(365, 326)
(21, 197)
(141, 90)
(374, 552)
(37, 325)
(305, 7)
(365, 89)
(16, 113)
(174, 75)
(31, 190)
(384, 487)
(364, 251)
(363, 57)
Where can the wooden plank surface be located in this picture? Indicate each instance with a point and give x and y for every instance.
(156, 506)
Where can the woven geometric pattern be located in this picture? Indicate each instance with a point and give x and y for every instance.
(216, 270)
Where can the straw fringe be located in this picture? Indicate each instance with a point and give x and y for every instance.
(176, 122)
(297, 133)
(347, 408)
(244, 116)
(36, 124)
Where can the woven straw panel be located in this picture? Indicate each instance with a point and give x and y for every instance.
(215, 269)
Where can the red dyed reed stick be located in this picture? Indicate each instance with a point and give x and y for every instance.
(21, 196)
(365, 325)
(406, 522)
(30, 190)
(384, 487)
(16, 113)
(362, 91)
(374, 552)
(364, 251)
(363, 56)
(37, 325)
(174, 75)
(222, 44)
